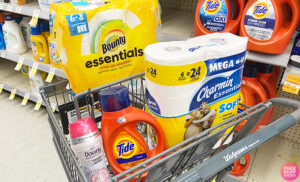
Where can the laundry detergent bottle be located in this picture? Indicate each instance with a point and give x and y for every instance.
(124, 146)
(53, 51)
(266, 78)
(87, 145)
(276, 73)
(269, 24)
(218, 16)
(18, 18)
(25, 27)
(2, 41)
(252, 92)
(13, 36)
(39, 45)
(45, 29)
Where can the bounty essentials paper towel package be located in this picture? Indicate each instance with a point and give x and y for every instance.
(102, 43)
(193, 85)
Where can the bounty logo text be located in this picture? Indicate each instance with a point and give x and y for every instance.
(113, 43)
(212, 6)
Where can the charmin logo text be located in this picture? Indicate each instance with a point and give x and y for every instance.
(125, 148)
(212, 6)
(207, 91)
(260, 10)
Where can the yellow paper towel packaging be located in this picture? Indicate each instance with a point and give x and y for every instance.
(193, 85)
(102, 43)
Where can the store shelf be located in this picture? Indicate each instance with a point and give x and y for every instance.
(15, 79)
(26, 9)
(12, 79)
(179, 25)
(28, 61)
(274, 59)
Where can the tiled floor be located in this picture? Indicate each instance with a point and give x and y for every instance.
(27, 152)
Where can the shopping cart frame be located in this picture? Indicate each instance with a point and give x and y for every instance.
(189, 166)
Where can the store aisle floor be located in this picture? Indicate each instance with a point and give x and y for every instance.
(27, 152)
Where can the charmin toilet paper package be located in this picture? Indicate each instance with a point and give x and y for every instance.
(193, 85)
(99, 43)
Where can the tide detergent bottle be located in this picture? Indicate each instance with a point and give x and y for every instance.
(266, 78)
(39, 45)
(218, 16)
(252, 92)
(124, 145)
(269, 24)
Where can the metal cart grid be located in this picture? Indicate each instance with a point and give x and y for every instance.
(179, 161)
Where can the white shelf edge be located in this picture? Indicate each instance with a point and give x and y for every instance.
(24, 10)
(29, 62)
(20, 92)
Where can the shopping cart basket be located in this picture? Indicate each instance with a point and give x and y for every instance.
(191, 160)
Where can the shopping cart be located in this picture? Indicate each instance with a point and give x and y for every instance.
(193, 159)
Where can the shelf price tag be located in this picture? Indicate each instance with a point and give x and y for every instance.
(53, 107)
(290, 88)
(38, 104)
(50, 75)
(18, 9)
(1, 87)
(25, 99)
(3, 54)
(292, 84)
(20, 63)
(35, 17)
(12, 94)
(34, 69)
(9, 8)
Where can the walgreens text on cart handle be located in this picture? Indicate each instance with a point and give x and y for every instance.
(225, 158)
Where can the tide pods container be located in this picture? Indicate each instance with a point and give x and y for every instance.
(195, 84)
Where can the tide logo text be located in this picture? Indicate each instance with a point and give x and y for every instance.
(125, 148)
(260, 10)
(212, 6)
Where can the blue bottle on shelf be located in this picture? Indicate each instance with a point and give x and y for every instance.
(2, 41)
